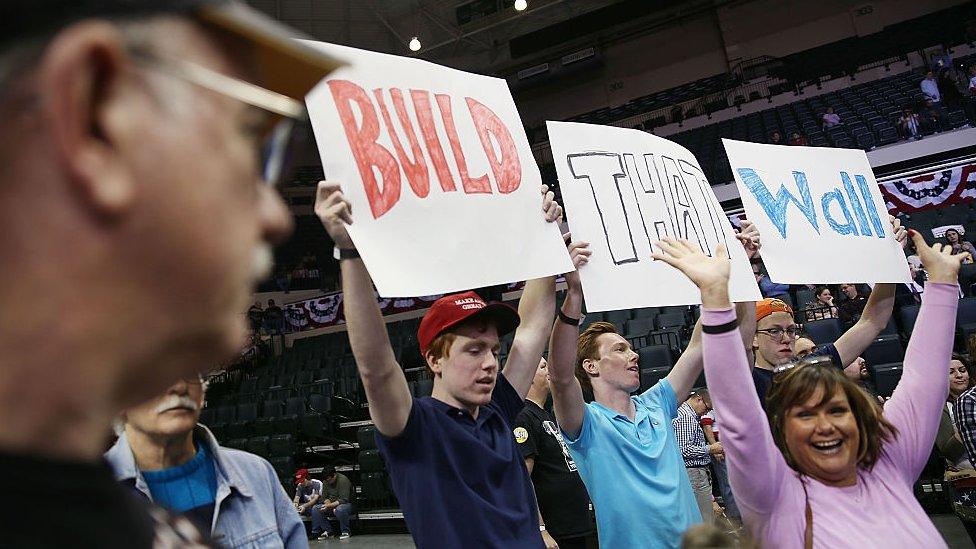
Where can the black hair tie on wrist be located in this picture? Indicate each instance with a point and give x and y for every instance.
(720, 328)
(568, 319)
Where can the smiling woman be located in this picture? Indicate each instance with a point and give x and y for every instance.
(825, 450)
(824, 424)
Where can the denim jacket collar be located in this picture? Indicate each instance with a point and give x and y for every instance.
(229, 476)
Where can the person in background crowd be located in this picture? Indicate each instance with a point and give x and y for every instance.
(971, 96)
(274, 318)
(710, 427)
(851, 308)
(625, 446)
(830, 118)
(776, 139)
(909, 124)
(958, 244)
(822, 306)
(931, 118)
(695, 450)
(960, 476)
(255, 315)
(453, 462)
(308, 495)
(162, 454)
(952, 83)
(826, 451)
(776, 334)
(803, 345)
(116, 113)
(336, 503)
(915, 264)
(930, 89)
(767, 287)
(564, 505)
(798, 140)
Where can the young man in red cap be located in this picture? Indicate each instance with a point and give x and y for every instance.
(453, 462)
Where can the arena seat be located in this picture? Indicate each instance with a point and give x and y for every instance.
(884, 350)
(885, 377)
(371, 461)
(282, 445)
(655, 356)
(366, 436)
(823, 331)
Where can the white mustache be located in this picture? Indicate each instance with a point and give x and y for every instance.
(262, 262)
(176, 401)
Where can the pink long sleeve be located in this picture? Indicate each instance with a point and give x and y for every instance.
(748, 443)
(916, 405)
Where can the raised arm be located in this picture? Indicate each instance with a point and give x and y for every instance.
(916, 405)
(876, 314)
(536, 312)
(746, 438)
(567, 394)
(383, 379)
(689, 365)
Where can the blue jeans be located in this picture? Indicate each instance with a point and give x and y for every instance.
(318, 521)
(320, 518)
(722, 479)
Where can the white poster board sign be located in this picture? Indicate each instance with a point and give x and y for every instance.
(820, 213)
(624, 190)
(444, 189)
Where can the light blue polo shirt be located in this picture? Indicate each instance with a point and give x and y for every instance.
(634, 472)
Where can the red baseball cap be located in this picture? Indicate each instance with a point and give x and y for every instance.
(301, 475)
(454, 309)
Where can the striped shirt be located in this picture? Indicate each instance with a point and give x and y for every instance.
(691, 438)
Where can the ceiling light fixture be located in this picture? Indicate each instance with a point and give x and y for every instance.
(414, 44)
(520, 5)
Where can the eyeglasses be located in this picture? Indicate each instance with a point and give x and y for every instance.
(273, 151)
(792, 332)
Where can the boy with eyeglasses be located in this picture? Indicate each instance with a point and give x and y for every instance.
(776, 331)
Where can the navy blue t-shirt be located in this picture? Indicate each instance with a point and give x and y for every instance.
(462, 482)
(763, 379)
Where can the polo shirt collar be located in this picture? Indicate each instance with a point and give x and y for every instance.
(484, 412)
(639, 415)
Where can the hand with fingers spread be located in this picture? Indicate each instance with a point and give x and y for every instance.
(580, 253)
(710, 273)
(550, 207)
(749, 237)
(335, 212)
(938, 260)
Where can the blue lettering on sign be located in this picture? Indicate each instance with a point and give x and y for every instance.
(842, 228)
(862, 219)
(861, 215)
(775, 208)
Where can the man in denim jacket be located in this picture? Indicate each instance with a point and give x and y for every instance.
(236, 496)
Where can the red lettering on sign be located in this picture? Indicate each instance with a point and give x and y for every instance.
(425, 117)
(508, 168)
(416, 169)
(363, 142)
(471, 185)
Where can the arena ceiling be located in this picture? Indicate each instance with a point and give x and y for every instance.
(465, 34)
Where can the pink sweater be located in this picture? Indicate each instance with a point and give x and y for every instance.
(880, 510)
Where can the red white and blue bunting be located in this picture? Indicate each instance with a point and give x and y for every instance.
(930, 191)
